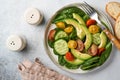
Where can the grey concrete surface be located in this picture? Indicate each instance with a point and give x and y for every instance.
(12, 22)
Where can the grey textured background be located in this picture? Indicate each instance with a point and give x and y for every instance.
(12, 22)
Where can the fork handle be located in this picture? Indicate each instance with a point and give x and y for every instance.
(112, 38)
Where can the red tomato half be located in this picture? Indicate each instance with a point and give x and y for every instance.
(51, 35)
(69, 56)
(100, 50)
(90, 22)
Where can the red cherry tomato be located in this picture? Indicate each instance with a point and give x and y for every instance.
(51, 35)
(91, 22)
(69, 56)
(100, 50)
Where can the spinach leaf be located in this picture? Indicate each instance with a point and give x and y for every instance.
(70, 10)
(90, 63)
(73, 35)
(105, 54)
(71, 66)
(55, 52)
(51, 43)
(61, 60)
(89, 67)
(67, 13)
(86, 17)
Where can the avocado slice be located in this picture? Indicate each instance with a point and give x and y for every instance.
(81, 32)
(78, 18)
(75, 62)
(89, 38)
(88, 41)
(103, 39)
(79, 55)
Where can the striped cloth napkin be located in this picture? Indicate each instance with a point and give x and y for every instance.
(37, 71)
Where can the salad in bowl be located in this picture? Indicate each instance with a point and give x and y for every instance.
(76, 41)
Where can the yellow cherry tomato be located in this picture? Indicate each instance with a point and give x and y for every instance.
(94, 29)
(72, 44)
(60, 25)
(68, 29)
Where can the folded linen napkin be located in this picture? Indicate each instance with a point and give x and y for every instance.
(37, 71)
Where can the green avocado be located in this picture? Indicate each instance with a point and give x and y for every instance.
(75, 62)
(89, 38)
(81, 32)
(78, 18)
(88, 41)
(103, 39)
(79, 55)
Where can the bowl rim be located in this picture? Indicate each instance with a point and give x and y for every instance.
(46, 38)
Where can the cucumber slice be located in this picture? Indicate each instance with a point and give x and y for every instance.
(61, 47)
(96, 38)
(60, 34)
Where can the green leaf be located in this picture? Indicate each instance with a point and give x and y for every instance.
(104, 56)
(89, 67)
(67, 13)
(51, 43)
(61, 60)
(71, 66)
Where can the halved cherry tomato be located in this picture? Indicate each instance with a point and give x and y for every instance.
(68, 29)
(51, 35)
(100, 50)
(90, 22)
(69, 56)
(60, 25)
(94, 29)
(72, 44)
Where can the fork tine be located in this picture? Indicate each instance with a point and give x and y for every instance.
(87, 9)
(84, 9)
(91, 8)
(89, 12)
